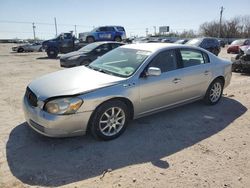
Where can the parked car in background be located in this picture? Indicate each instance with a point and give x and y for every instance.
(128, 82)
(88, 53)
(181, 41)
(207, 43)
(234, 47)
(241, 62)
(34, 47)
(222, 43)
(104, 33)
(63, 43)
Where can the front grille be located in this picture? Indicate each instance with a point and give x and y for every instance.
(31, 97)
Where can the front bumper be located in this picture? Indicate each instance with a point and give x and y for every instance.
(67, 63)
(55, 125)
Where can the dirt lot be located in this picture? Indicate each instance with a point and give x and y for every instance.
(191, 146)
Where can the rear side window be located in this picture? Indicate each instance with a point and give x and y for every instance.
(110, 29)
(193, 57)
(120, 29)
(166, 61)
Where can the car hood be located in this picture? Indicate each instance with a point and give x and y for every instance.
(71, 81)
(76, 53)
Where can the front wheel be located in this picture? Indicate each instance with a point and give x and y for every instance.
(109, 120)
(52, 52)
(20, 50)
(214, 92)
(90, 39)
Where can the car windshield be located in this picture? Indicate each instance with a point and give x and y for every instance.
(89, 47)
(238, 42)
(194, 42)
(122, 62)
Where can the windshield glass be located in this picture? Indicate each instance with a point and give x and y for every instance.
(89, 47)
(238, 42)
(121, 62)
(194, 42)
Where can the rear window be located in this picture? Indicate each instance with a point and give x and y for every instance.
(120, 28)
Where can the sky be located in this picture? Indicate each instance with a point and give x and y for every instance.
(17, 16)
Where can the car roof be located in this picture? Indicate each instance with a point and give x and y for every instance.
(152, 47)
(106, 42)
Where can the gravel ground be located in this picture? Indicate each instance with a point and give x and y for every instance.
(191, 146)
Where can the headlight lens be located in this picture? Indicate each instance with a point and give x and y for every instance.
(74, 57)
(63, 106)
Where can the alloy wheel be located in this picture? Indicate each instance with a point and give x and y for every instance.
(215, 92)
(112, 121)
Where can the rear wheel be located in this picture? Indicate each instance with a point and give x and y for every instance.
(52, 52)
(90, 39)
(109, 120)
(214, 92)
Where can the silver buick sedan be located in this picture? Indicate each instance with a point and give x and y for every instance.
(127, 83)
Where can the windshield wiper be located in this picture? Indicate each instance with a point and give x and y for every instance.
(100, 70)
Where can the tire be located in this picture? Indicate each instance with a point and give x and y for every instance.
(20, 50)
(216, 52)
(85, 62)
(90, 39)
(118, 39)
(214, 92)
(40, 49)
(52, 52)
(106, 118)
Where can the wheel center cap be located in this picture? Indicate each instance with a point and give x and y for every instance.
(112, 120)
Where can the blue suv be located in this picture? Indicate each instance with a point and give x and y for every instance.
(104, 33)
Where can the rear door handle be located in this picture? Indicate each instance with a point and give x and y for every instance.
(176, 80)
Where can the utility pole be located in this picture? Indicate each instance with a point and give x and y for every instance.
(34, 32)
(146, 32)
(55, 25)
(75, 32)
(221, 12)
(155, 30)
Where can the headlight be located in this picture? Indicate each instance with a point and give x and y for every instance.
(74, 57)
(63, 106)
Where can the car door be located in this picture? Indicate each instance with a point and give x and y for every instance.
(196, 73)
(104, 34)
(67, 43)
(160, 91)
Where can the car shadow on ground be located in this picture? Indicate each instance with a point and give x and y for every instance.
(42, 161)
(47, 58)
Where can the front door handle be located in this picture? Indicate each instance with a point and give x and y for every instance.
(176, 80)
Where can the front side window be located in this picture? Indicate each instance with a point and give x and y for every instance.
(110, 29)
(166, 61)
(192, 57)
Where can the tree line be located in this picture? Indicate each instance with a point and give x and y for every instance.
(237, 27)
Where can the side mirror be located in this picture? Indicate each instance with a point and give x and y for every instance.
(153, 71)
